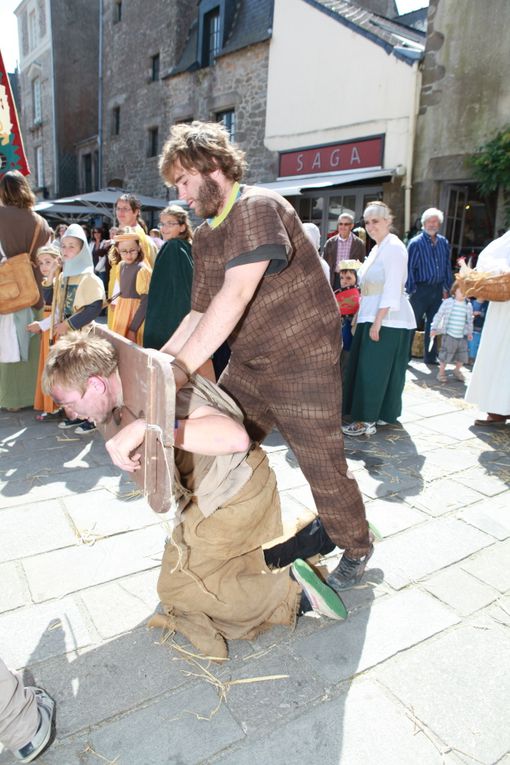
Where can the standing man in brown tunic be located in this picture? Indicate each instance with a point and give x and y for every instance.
(258, 284)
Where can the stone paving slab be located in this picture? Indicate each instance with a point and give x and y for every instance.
(101, 513)
(108, 680)
(417, 552)
(13, 588)
(120, 606)
(352, 728)
(491, 516)
(32, 529)
(249, 703)
(444, 496)
(87, 565)
(19, 492)
(442, 682)
(173, 734)
(392, 516)
(372, 635)
(289, 475)
(460, 590)
(457, 424)
(491, 566)
(479, 479)
(41, 631)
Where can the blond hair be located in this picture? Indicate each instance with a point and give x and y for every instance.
(201, 146)
(124, 234)
(75, 358)
(378, 208)
(182, 218)
(48, 249)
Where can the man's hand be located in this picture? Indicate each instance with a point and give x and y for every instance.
(180, 377)
(34, 327)
(124, 442)
(131, 335)
(433, 333)
(61, 329)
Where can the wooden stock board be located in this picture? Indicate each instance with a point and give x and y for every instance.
(149, 392)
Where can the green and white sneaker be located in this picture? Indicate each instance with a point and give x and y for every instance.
(323, 599)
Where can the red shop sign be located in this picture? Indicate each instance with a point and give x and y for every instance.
(347, 155)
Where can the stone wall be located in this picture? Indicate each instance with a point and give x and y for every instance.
(465, 95)
(236, 81)
(144, 31)
(38, 134)
(76, 58)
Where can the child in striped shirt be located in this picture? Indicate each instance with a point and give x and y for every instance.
(454, 322)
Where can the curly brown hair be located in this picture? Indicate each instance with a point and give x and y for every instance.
(201, 146)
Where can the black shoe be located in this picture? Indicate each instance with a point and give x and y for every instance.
(85, 427)
(67, 423)
(348, 572)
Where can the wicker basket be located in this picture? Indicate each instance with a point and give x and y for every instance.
(485, 286)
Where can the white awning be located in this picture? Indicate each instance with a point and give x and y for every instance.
(296, 185)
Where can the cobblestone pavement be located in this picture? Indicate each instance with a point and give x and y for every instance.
(419, 673)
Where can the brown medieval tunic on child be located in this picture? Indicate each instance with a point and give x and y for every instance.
(214, 583)
(285, 349)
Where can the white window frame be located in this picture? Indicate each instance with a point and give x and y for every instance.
(36, 100)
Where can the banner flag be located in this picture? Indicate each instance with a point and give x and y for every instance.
(12, 152)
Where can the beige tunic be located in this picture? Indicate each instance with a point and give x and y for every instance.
(214, 583)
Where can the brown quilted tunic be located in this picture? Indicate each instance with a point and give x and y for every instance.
(284, 366)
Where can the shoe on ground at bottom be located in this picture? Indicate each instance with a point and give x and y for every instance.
(39, 742)
(349, 571)
(441, 376)
(85, 427)
(322, 598)
(359, 429)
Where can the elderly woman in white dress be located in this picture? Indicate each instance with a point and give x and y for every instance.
(380, 347)
(489, 386)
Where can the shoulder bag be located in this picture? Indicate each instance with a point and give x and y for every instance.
(18, 286)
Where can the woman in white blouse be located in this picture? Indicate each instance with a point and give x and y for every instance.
(380, 348)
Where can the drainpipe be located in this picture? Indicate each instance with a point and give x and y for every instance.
(100, 102)
(56, 168)
(413, 115)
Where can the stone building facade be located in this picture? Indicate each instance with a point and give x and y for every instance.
(177, 76)
(58, 90)
(464, 101)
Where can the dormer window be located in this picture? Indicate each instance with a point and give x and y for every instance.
(211, 36)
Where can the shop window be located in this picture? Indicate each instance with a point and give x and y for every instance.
(469, 221)
(345, 203)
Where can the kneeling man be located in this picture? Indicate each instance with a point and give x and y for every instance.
(216, 581)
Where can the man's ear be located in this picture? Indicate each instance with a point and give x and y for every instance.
(97, 383)
(217, 175)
